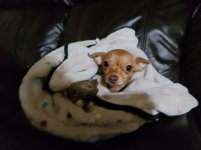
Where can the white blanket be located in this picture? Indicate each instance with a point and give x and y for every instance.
(55, 113)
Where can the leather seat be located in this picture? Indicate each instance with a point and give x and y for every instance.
(169, 32)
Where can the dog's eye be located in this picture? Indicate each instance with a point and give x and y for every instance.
(105, 64)
(128, 68)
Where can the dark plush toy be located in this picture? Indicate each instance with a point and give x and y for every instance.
(85, 91)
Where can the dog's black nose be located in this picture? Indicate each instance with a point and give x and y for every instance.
(113, 78)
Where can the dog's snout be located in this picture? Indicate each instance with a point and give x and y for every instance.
(113, 78)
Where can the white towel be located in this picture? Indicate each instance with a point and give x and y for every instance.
(55, 113)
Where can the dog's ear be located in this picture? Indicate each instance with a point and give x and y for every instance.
(97, 57)
(140, 63)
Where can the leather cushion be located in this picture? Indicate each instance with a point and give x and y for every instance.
(191, 62)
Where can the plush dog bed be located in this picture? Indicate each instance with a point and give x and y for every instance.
(45, 98)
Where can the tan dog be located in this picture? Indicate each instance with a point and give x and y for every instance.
(118, 67)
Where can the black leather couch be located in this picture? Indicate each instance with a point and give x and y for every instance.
(169, 32)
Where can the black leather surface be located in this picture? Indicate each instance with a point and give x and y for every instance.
(167, 30)
(11, 3)
(29, 33)
(191, 60)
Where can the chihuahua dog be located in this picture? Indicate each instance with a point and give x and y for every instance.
(118, 66)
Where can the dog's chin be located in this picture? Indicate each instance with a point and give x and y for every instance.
(115, 88)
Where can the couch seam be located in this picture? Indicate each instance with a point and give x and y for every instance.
(145, 32)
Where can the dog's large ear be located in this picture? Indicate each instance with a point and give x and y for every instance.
(140, 63)
(97, 57)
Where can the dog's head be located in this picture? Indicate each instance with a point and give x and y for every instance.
(118, 67)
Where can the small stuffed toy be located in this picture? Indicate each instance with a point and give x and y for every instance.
(85, 91)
